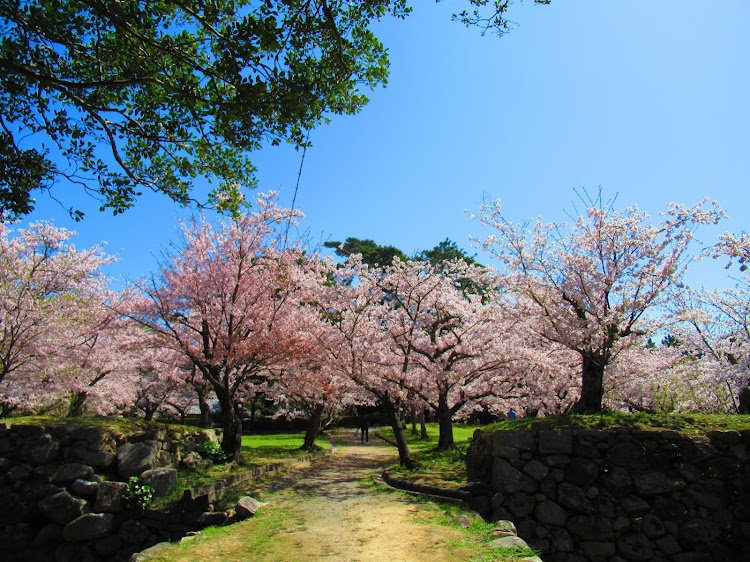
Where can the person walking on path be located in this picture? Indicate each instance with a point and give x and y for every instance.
(364, 426)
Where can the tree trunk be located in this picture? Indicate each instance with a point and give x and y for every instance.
(231, 442)
(592, 385)
(445, 423)
(205, 409)
(744, 401)
(313, 429)
(423, 426)
(77, 400)
(391, 411)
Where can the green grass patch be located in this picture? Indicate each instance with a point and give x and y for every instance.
(257, 450)
(229, 543)
(444, 469)
(477, 535)
(269, 448)
(687, 424)
(115, 425)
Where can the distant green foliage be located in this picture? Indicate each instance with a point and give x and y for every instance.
(447, 250)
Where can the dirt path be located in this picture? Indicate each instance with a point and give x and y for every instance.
(327, 510)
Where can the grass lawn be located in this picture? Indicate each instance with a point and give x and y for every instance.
(445, 469)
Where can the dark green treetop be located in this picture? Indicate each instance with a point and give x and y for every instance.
(372, 254)
(447, 250)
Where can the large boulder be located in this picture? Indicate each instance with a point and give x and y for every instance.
(68, 473)
(89, 527)
(135, 459)
(162, 480)
(41, 450)
(97, 459)
(61, 508)
(109, 497)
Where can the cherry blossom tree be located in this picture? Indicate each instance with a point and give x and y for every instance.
(593, 281)
(313, 390)
(357, 344)
(454, 346)
(548, 381)
(90, 363)
(44, 281)
(162, 383)
(227, 299)
(63, 344)
(718, 329)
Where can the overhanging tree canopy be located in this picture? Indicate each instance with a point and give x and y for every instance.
(117, 97)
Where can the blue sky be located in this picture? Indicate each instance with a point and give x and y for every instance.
(648, 100)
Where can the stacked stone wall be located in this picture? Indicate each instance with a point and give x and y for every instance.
(61, 491)
(594, 495)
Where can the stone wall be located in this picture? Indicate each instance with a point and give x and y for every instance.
(592, 495)
(61, 491)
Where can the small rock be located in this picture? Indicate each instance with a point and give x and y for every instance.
(13, 510)
(506, 527)
(96, 459)
(462, 520)
(511, 541)
(149, 552)
(49, 534)
(74, 553)
(107, 546)
(635, 547)
(16, 537)
(20, 472)
(133, 531)
(84, 488)
(550, 513)
(536, 470)
(41, 450)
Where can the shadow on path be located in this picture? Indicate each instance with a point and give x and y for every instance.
(343, 475)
